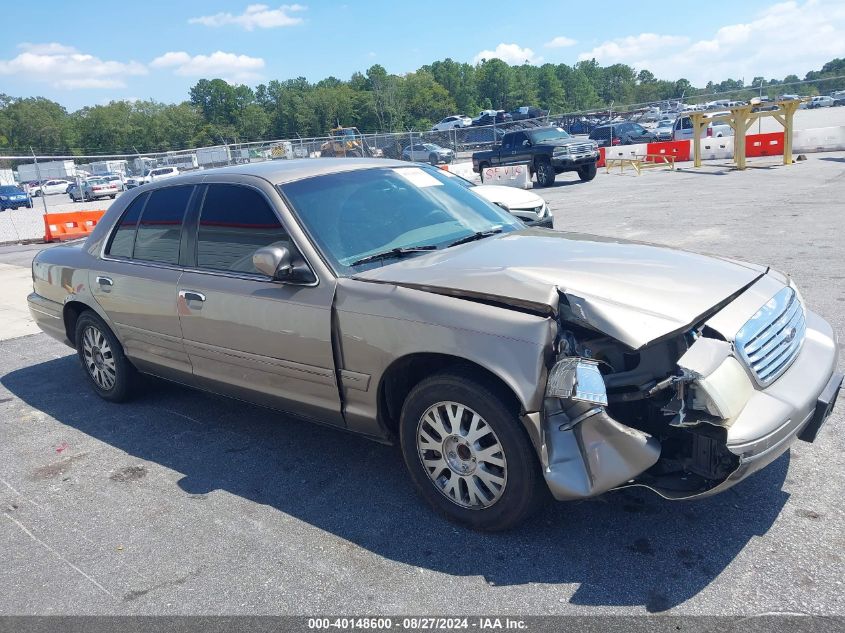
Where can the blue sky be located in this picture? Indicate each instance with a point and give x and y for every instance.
(90, 52)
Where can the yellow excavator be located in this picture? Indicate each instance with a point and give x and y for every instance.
(347, 142)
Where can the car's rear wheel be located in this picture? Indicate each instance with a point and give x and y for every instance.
(432, 159)
(587, 172)
(467, 453)
(111, 375)
(481, 169)
(545, 173)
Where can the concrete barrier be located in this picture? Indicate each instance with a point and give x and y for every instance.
(715, 147)
(509, 175)
(464, 170)
(820, 139)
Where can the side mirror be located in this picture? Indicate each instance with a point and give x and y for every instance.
(273, 261)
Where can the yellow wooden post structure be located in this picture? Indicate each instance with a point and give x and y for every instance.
(741, 118)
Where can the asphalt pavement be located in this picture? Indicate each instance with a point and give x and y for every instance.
(182, 502)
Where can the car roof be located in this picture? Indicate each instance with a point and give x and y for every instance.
(284, 171)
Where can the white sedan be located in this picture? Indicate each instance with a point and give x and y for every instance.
(526, 205)
(451, 122)
(49, 187)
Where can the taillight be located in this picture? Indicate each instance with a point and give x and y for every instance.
(709, 131)
(96, 188)
(616, 141)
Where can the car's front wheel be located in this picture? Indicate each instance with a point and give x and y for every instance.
(109, 372)
(468, 454)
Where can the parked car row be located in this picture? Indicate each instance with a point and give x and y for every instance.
(488, 117)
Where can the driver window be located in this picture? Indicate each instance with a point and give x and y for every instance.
(236, 221)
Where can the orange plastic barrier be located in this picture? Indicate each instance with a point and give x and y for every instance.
(600, 161)
(69, 226)
(770, 144)
(679, 149)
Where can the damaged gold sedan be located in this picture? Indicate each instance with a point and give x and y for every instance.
(507, 362)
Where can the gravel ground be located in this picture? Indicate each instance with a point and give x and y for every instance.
(182, 502)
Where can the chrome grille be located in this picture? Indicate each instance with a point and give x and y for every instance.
(771, 339)
(581, 148)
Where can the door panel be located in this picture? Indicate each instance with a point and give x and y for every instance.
(140, 296)
(245, 334)
(141, 302)
(263, 341)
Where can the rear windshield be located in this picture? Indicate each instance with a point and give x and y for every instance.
(10, 189)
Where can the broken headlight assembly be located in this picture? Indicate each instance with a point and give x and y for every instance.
(577, 379)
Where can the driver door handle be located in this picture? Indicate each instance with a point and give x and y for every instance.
(192, 295)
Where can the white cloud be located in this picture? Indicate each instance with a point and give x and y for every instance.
(65, 67)
(255, 16)
(229, 66)
(511, 54)
(634, 47)
(786, 38)
(561, 41)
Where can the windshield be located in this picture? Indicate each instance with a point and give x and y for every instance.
(354, 214)
(549, 134)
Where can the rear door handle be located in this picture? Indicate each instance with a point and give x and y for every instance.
(192, 295)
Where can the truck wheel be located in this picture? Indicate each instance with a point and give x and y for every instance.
(481, 169)
(545, 173)
(587, 172)
(467, 453)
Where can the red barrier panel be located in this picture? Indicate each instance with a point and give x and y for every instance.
(770, 144)
(600, 161)
(679, 149)
(69, 226)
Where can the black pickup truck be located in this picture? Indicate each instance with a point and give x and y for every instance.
(548, 150)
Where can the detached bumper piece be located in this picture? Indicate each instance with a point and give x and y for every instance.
(824, 406)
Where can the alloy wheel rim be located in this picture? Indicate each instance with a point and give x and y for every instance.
(461, 455)
(99, 357)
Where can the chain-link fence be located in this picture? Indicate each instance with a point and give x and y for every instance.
(55, 184)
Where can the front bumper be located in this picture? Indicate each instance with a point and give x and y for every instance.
(7, 204)
(600, 454)
(572, 161)
(546, 223)
(794, 406)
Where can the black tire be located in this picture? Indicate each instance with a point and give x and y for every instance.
(587, 172)
(113, 196)
(125, 376)
(481, 168)
(524, 490)
(433, 160)
(14, 208)
(545, 172)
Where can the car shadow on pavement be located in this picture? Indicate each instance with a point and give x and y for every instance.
(626, 548)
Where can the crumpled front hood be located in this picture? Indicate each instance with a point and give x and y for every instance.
(632, 291)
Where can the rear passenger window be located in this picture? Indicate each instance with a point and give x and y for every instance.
(234, 223)
(160, 228)
(123, 238)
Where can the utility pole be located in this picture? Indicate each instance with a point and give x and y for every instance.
(40, 182)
